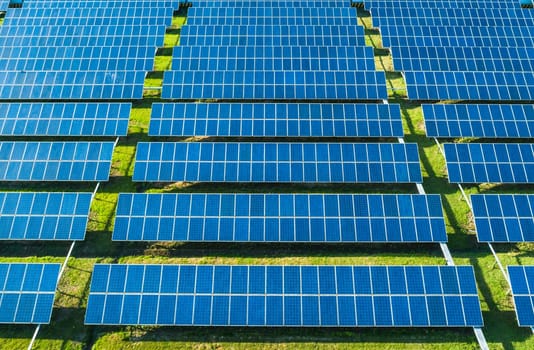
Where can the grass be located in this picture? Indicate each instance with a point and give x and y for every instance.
(67, 331)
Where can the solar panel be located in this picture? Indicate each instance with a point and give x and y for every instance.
(463, 4)
(504, 217)
(275, 119)
(522, 282)
(89, 36)
(4, 5)
(277, 162)
(71, 85)
(262, 58)
(454, 58)
(67, 58)
(55, 161)
(275, 16)
(272, 35)
(99, 3)
(273, 4)
(64, 119)
(369, 85)
(509, 36)
(27, 292)
(505, 86)
(499, 163)
(25, 18)
(479, 120)
(298, 218)
(425, 16)
(284, 296)
(43, 216)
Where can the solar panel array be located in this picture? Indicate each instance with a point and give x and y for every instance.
(431, 40)
(279, 218)
(499, 163)
(275, 119)
(504, 217)
(522, 283)
(282, 296)
(277, 162)
(44, 215)
(479, 120)
(27, 292)
(64, 119)
(55, 161)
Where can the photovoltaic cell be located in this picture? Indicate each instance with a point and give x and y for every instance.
(269, 119)
(522, 282)
(43, 216)
(370, 85)
(285, 218)
(277, 162)
(469, 85)
(64, 119)
(71, 85)
(284, 296)
(479, 120)
(498, 163)
(504, 217)
(55, 161)
(27, 292)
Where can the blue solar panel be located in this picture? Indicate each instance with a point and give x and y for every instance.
(301, 218)
(500, 163)
(504, 217)
(450, 17)
(64, 119)
(284, 296)
(71, 85)
(260, 119)
(469, 85)
(247, 85)
(4, 4)
(43, 216)
(457, 36)
(86, 17)
(277, 162)
(27, 292)
(273, 4)
(272, 35)
(457, 58)
(276, 16)
(125, 35)
(55, 161)
(99, 3)
(479, 120)
(522, 282)
(38, 58)
(441, 4)
(260, 58)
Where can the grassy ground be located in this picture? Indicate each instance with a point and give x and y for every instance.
(67, 331)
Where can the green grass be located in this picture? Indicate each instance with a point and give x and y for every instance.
(67, 331)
